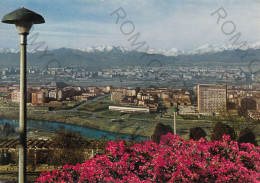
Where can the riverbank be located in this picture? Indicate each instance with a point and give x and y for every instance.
(103, 119)
(81, 119)
(136, 123)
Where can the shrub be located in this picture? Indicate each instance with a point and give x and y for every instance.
(221, 129)
(247, 104)
(5, 157)
(67, 149)
(246, 136)
(196, 133)
(173, 160)
(160, 130)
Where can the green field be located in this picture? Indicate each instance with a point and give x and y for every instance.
(99, 105)
(97, 115)
(69, 105)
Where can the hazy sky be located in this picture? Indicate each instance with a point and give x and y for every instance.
(162, 24)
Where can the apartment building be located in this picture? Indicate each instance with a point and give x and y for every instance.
(212, 98)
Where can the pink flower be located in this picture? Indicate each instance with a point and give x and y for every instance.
(173, 160)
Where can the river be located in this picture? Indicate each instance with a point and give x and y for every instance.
(85, 132)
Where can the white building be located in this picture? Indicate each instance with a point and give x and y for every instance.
(129, 109)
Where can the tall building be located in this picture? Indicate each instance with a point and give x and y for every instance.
(117, 96)
(212, 98)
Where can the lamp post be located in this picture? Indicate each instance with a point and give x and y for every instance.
(23, 20)
(175, 110)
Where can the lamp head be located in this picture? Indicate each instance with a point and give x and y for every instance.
(23, 19)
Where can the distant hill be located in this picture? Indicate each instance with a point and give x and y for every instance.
(109, 56)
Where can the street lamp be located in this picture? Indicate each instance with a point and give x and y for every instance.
(23, 20)
(175, 110)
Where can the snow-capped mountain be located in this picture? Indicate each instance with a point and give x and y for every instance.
(109, 56)
(12, 50)
(204, 49)
(255, 45)
(208, 48)
(106, 48)
(171, 52)
(7, 50)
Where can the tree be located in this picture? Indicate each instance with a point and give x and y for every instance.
(220, 129)
(68, 148)
(247, 104)
(8, 129)
(5, 157)
(160, 130)
(133, 137)
(196, 133)
(246, 136)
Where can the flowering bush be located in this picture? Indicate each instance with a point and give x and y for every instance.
(173, 160)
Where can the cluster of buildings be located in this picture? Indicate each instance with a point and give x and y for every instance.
(184, 76)
(247, 99)
(134, 100)
(55, 94)
(209, 99)
(148, 99)
(204, 99)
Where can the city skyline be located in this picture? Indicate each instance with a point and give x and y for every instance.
(184, 25)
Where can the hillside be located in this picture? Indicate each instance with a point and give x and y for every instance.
(108, 56)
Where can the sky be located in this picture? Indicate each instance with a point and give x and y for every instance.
(161, 24)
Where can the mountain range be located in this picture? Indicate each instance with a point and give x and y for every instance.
(110, 56)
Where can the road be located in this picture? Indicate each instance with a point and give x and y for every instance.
(89, 101)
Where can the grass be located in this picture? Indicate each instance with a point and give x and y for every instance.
(94, 107)
(69, 105)
(133, 123)
(109, 114)
(144, 116)
(136, 123)
(97, 106)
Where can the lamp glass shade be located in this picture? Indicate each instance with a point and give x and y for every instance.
(23, 27)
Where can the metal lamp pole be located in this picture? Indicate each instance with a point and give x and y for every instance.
(23, 111)
(175, 110)
(174, 123)
(23, 20)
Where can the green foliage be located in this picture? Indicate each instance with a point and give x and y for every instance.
(246, 104)
(5, 157)
(95, 106)
(220, 129)
(137, 115)
(196, 133)
(8, 130)
(68, 106)
(246, 136)
(109, 114)
(189, 117)
(160, 130)
(68, 148)
(133, 137)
